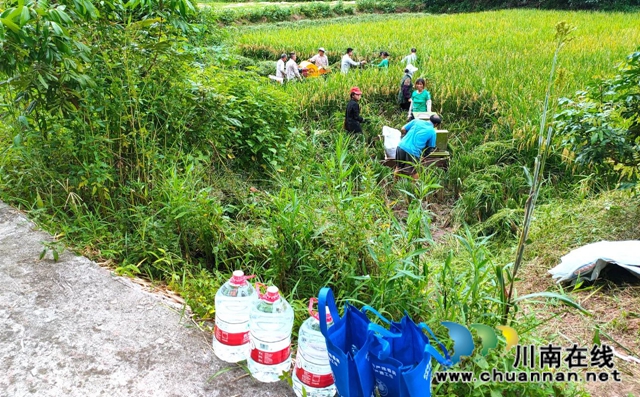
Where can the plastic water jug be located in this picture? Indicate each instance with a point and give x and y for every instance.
(313, 371)
(270, 325)
(233, 306)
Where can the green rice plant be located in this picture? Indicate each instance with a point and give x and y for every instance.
(502, 77)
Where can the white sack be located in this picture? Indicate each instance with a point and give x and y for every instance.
(391, 140)
(587, 261)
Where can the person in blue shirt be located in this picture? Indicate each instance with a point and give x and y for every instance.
(420, 139)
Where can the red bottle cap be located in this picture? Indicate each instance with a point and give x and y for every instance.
(239, 279)
(315, 314)
(272, 295)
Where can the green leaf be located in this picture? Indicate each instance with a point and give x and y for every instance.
(596, 336)
(56, 28)
(43, 253)
(55, 255)
(144, 23)
(553, 295)
(15, 12)
(12, 26)
(44, 83)
(25, 16)
(39, 202)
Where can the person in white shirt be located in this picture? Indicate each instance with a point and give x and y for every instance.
(347, 62)
(410, 59)
(320, 60)
(292, 68)
(280, 67)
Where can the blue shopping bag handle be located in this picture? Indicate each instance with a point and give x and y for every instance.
(373, 329)
(431, 351)
(326, 297)
(370, 309)
(444, 349)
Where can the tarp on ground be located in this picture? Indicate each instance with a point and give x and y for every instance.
(588, 261)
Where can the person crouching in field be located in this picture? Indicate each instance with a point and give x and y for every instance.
(420, 99)
(419, 141)
(352, 119)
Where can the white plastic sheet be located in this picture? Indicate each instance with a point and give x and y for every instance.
(588, 261)
(391, 140)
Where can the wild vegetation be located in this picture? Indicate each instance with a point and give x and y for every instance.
(131, 132)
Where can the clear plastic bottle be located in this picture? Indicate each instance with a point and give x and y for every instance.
(233, 306)
(313, 371)
(270, 325)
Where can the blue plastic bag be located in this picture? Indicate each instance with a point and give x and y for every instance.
(401, 359)
(348, 347)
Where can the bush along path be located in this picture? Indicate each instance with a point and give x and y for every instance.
(69, 327)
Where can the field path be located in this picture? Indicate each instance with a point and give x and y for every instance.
(72, 328)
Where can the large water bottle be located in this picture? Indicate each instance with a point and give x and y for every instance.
(270, 325)
(233, 305)
(313, 371)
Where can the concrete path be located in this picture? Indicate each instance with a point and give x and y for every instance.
(71, 328)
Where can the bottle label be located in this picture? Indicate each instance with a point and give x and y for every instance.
(272, 353)
(309, 378)
(314, 380)
(229, 339)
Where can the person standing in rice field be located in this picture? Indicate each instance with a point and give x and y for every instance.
(281, 72)
(385, 60)
(406, 89)
(420, 99)
(352, 118)
(410, 59)
(320, 59)
(292, 68)
(347, 62)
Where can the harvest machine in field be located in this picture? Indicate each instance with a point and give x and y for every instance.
(310, 70)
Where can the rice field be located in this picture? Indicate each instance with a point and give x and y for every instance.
(494, 65)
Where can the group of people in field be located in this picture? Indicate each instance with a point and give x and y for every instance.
(419, 136)
(287, 68)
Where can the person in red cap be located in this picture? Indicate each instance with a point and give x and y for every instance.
(352, 118)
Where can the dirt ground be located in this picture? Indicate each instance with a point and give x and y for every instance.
(71, 328)
(614, 308)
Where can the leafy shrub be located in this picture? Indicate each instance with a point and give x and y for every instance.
(366, 5)
(265, 68)
(227, 17)
(316, 10)
(601, 128)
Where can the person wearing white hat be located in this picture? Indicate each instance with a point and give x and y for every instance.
(320, 60)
